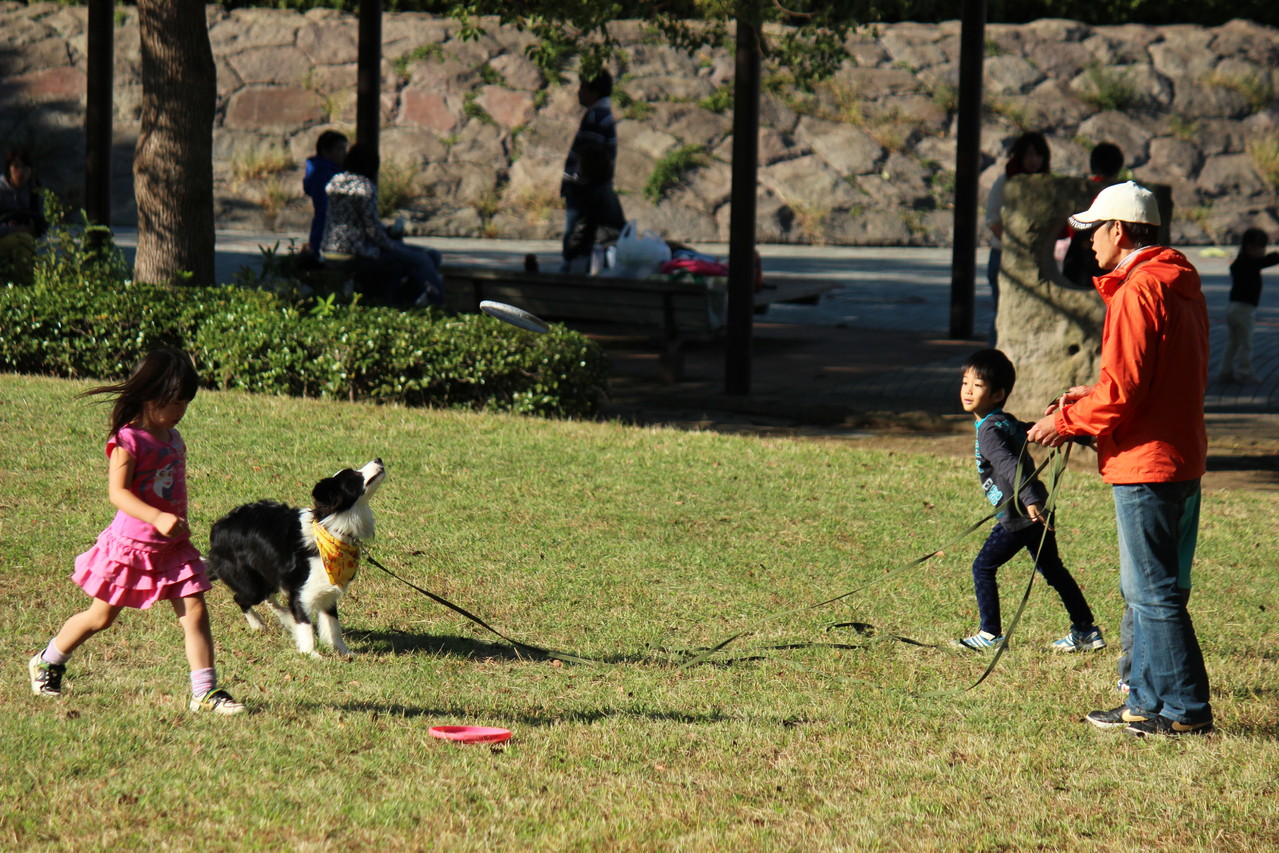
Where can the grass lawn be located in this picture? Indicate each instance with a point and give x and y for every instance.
(627, 545)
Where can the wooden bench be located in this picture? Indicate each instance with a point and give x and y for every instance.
(673, 312)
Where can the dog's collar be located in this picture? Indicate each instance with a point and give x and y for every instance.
(341, 559)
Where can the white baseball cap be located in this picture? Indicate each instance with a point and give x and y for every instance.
(1126, 202)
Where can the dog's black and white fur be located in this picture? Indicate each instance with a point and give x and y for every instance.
(267, 549)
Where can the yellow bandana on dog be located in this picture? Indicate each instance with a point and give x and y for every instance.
(340, 559)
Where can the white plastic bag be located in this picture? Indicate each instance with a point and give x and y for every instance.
(639, 255)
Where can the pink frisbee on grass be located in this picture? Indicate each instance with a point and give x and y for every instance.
(471, 734)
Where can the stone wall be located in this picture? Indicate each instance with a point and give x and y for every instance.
(474, 136)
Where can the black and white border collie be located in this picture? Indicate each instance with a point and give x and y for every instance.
(267, 549)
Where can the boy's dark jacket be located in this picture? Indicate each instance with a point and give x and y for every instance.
(1000, 439)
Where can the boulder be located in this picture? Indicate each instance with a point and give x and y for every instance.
(328, 43)
(1050, 329)
(507, 107)
(846, 149)
(278, 108)
(518, 72)
(280, 64)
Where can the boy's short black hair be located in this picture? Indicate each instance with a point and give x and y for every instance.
(1254, 237)
(1106, 159)
(994, 368)
(601, 84)
(327, 140)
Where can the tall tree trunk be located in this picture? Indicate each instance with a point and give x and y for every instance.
(173, 164)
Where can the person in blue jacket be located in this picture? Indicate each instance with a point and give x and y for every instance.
(1004, 467)
(330, 151)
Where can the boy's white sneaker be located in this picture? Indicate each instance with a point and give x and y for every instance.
(1077, 641)
(980, 641)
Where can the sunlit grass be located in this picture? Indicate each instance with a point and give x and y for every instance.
(627, 545)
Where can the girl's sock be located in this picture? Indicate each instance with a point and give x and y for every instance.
(203, 680)
(52, 655)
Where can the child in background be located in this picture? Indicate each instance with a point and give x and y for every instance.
(1030, 155)
(1245, 295)
(146, 554)
(330, 151)
(1079, 266)
(1001, 464)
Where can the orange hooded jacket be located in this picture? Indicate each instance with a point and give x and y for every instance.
(1147, 408)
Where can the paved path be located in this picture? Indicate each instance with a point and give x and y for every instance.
(877, 342)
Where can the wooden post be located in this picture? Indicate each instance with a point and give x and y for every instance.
(741, 240)
(100, 49)
(368, 76)
(972, 48)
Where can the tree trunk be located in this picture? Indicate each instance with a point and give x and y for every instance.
(173, 164)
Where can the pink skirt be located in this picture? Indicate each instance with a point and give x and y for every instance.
(127, 572)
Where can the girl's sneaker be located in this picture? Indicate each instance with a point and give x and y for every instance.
(1076, 641)
(218, 701)
(978, 642)
(46, 678)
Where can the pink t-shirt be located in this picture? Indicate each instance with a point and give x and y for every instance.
(159, 479)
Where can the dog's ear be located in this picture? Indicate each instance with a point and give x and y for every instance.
(327, 496)
(337, 493)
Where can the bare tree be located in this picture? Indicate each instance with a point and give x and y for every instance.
(173, 164)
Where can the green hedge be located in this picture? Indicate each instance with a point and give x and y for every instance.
(81, 319)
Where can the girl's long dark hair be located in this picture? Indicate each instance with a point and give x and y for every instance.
(166, 374)
(1027, 140)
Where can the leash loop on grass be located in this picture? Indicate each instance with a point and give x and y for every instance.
(1053, 455)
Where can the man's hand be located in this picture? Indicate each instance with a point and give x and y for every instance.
(1067, 397)
(1044, 433)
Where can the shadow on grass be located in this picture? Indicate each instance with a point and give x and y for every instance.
(403, 643)
(507, 718)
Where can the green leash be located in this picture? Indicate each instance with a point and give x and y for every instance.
(1054, 455)
(529, 647)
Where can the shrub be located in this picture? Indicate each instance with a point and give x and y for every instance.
(82, 319)
(1264, 151)
(1256, 89)
(669, 171)
(1109, 90)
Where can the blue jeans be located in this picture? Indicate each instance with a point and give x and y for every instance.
(1158, 527)
(423, 267)
(1001, 546)
(573, 210)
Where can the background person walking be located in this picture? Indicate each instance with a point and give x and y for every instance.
(598, 133)
(1245, 295)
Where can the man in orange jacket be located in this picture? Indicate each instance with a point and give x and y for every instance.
(1146, 412)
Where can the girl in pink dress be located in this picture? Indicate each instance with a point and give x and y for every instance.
(146, 554)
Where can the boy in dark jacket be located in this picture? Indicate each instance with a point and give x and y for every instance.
(1002, 464)
(330, 151)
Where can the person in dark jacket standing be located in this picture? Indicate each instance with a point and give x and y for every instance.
(1002, 466)
(597, 134)
(1245, 295)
